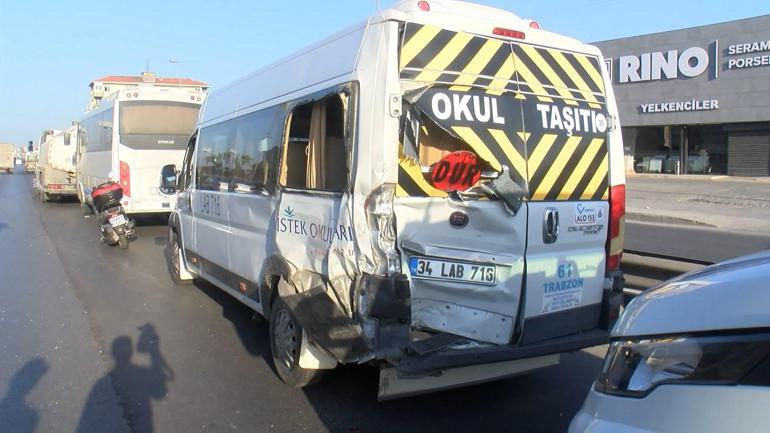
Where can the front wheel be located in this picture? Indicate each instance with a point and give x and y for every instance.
(175, 258)
(123, 242)
(285, 345)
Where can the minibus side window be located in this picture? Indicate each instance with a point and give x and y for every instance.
(212, 151)
(255, 150)
(241, 154)
(315, 154)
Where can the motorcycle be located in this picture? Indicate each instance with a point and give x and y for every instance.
(116, 227)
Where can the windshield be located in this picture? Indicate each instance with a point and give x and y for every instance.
(157, 124)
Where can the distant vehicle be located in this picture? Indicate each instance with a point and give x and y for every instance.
(7, 156)
(129, 136)
(690, 355)
(55, 168)
(438, 191)
(30, 162)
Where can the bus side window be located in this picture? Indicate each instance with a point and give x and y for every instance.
(315, 155)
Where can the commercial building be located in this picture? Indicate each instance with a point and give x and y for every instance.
(695, 100)
(104, 86)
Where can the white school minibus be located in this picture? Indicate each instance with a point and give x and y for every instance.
(437, 191)
(129, 136)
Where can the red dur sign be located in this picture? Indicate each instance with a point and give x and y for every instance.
(456, 171)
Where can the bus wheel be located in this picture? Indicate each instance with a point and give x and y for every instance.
(285, 345)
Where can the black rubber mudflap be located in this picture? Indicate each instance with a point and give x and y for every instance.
(327, 325)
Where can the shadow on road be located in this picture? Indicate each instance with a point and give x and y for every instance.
(15, 414)
(136, 385)
(252, 330)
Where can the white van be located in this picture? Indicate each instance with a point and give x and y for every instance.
(55, 171)
(129, 136)
(438, 190)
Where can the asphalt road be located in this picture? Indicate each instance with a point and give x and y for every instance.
(96, 339)
(693, 242)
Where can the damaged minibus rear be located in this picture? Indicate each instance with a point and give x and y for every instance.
(438, 192)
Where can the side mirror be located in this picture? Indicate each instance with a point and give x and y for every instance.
(168, 179)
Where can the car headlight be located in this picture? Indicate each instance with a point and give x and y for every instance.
(635, 367)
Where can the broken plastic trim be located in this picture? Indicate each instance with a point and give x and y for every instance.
(502, 186)
(506, 190)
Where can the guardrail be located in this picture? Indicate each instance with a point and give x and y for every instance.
(644, 270)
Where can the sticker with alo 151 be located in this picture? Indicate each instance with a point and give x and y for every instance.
(586, 214)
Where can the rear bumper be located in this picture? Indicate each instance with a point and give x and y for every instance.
(66, 189)
(555, 333)
(151, 206)
(419, 365)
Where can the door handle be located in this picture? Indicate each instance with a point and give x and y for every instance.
(550, 225)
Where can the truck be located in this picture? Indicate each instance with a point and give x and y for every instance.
(30, 162)
(6, 157)
(55, 175)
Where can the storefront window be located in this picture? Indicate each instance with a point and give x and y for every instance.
(679, 149)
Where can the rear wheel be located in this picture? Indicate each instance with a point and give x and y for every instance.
(286, 345)
(123, 242)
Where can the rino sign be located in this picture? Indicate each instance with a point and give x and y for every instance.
(659, 65)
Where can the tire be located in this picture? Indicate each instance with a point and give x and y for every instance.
(285, 345)
(175, 259)
(123, 242)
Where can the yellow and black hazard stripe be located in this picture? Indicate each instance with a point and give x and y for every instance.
(550, 73)
(433, 55)
(549, 165)
(567, 167)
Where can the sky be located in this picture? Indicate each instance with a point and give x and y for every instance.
(51, 50)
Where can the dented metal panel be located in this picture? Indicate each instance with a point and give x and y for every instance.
(492, 237)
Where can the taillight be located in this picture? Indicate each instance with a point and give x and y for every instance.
(125, 179)
(616, 229)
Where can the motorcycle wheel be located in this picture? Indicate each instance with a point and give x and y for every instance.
(123, 242)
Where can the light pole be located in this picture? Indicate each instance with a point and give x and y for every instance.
(179, 70)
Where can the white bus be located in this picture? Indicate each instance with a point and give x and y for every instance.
(129, 136)
(438, 190)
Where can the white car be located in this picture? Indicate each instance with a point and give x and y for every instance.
(691, 355)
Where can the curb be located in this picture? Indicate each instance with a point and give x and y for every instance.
(699, 177)
(655, 218)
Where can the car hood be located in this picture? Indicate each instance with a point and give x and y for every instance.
(730, 295)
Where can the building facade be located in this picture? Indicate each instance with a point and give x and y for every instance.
(695, 100)
(101, 87)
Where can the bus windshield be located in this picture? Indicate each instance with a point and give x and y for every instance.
(157, 124)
